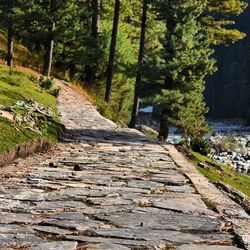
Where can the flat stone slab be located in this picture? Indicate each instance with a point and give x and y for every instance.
(108, 247)
(18, 239)
(72, 225)
(114, 241)
(57, 245)
(178, 222)
(147, 234)
(51, 230)
(10, 218)
(204, 247)
(15, 229)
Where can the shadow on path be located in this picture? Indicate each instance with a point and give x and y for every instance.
(106, 136)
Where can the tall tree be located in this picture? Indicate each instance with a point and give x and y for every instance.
(10, 46)
(49, 42)
(47, 22)
(112, 51)
(135, 109)
(199, 24)
(187, 62)
(90, 69)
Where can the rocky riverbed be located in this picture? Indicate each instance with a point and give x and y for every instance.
(230, 140)
(231, 144)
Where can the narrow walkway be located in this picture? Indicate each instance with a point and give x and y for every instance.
(105, 188)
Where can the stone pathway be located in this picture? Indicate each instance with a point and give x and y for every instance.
(106, 188)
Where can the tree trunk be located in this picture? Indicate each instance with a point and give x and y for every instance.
(112, 51)
(10, 45)
(140, 62)
(48, 56)
(164, 126)
(90, 70)
(95, 19)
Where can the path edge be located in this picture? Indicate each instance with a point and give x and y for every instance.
(227, 208)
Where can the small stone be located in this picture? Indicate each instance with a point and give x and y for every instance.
(202, 165)
(77, 167)
(52, 165)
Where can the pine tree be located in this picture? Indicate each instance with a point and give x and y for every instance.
(140, 62)
(187, 62)
(217, 21)
(47, 22)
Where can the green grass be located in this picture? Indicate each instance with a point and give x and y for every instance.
(219, 173)
(21, 86)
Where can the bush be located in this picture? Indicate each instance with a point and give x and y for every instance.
(33, 78)
(200, 145)
(55, 92)
(46, 83)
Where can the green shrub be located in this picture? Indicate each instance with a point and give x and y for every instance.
(55, 91)
(200, 145)
(33, 78)
(46, 83)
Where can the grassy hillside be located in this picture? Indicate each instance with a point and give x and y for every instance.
(26, 111)
(216, 173)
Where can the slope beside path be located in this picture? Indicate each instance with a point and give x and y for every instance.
(110, 188)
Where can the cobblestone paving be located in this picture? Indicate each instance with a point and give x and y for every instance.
(104, 188)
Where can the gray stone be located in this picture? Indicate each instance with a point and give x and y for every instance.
(147, 235)
(20, 239)
(106, 246)
(73, 225)
(71, 216)
(15, 229)
(10, 218)
(180, 222)
(57, 245)
(204, 247)
(51, 230)
(125, 242)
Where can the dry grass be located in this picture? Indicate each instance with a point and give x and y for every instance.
(79, 89)
(27, 70)
(22, 56)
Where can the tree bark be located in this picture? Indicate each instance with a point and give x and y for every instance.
(95, 19)
(112, 51)
(90, 70)
(10, 45)
(135, 110)
(48, 56)
(164, 126)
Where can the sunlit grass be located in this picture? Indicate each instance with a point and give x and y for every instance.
(216, 173)
(22, 86)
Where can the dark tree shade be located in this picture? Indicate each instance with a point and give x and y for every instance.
(140, 62)
(90, 70)
(112, 51)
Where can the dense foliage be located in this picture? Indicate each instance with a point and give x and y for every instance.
(98, 42)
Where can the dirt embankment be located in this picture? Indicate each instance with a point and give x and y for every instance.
(37, 146)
